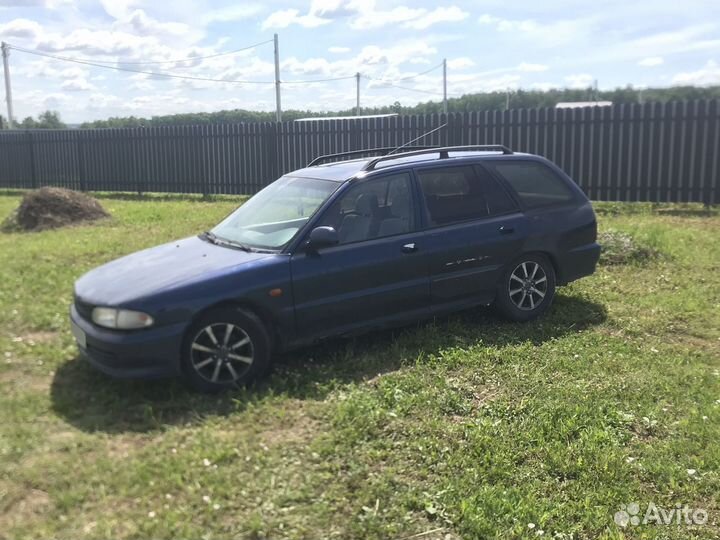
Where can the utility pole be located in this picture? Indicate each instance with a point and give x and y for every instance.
(357, 92)
(595, 88)
(445, 85)
(278, 106)
(8, 88)
(507, 99)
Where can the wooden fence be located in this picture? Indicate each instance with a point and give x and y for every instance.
(650, 152)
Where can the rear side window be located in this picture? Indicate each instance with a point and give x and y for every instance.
(452, 194)
(497, 198)
(535, 183)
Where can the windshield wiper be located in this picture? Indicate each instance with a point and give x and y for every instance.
(234, 244)
(217, 240)
(209, 236)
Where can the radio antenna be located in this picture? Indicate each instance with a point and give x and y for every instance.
(417, 138)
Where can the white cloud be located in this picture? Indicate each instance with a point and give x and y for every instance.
(438, 15)
(77, 85)
(338, 50)
(709, 74)
(20, 28)
(231, 13)
(363, 15)
(138, 22)
(580, 80)
(651, 61)
(369, 18)
(545, 35)
(286, 17)
(532, 68)
(543, 86)
(118, 8)
(460, 63)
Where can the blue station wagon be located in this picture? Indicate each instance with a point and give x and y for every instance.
(346, 245)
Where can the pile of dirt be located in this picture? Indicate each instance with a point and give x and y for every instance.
(622, 248)
(50, 207)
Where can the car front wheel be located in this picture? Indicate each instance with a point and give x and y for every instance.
(526, 289)
(225, 348)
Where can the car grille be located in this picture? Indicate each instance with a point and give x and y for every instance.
(84, 309)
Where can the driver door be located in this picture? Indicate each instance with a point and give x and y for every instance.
(376, 273)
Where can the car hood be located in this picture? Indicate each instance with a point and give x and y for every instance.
(157, 269)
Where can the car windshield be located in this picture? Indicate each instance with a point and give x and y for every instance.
(273, 216)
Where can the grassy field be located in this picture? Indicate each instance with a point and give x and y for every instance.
(462, 427)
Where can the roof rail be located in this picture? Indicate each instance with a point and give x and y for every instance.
(385, 150)
(443, 151)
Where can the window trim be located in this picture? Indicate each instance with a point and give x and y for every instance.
(503, 187)
(426, 221)
(344, 189)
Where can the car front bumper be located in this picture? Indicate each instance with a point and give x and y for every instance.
(144, 354)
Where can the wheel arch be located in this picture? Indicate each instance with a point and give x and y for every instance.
(549, 256)
(270, 323)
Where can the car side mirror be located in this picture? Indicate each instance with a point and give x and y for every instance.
(321, 237)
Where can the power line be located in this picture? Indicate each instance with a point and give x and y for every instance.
(320, 80)
(172, 75)
(419, 74)
(187, 59)
(403, 87)
(130, 70)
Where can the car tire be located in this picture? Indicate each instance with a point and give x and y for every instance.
(225, 348)
(526, 289)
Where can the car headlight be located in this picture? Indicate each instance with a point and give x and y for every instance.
(121, 319)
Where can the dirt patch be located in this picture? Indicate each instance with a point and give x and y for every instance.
(50, 208)
(122, 447)
(297, 430)
(33, 338)
(20, 507)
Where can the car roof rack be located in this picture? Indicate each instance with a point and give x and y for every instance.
(385, 150)
(443, 151)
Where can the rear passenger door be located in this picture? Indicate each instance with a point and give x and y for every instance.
(473, 229)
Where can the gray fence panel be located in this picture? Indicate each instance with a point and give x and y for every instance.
(652, 152)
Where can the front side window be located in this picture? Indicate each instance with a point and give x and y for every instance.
(372, 209)
(452, 194)
(535, 183)
(272, 217)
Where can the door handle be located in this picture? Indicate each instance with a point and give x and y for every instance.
(506, 230)
(409, 248)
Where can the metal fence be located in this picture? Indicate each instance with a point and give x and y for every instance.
(650, 152)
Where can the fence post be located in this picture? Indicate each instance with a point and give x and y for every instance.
(33, 167)
(272, 156)
(81, 161)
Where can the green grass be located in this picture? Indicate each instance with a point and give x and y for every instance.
(462, 427)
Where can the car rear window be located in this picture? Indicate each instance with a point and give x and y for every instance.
(535, 183)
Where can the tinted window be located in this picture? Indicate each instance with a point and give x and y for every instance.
(452, 194)
(372, 209)
(497, 198)
(535, 183)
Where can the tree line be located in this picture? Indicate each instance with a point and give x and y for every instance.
(483, 101)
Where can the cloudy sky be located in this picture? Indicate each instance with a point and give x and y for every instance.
(489, 45)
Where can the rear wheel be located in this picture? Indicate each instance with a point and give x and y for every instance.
(526, 289)
(225, 348)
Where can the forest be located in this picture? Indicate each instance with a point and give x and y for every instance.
(482, 101)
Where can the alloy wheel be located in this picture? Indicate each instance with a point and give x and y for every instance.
(222, 353)
(528, 285)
